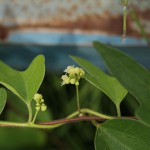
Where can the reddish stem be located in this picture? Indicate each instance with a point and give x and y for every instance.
(71, 120)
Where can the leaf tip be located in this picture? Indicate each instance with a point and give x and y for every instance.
(40, 56)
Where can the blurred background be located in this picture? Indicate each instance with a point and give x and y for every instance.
(57, 29)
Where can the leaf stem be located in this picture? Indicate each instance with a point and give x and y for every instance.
(118, 110)
(91, 112)
(30, 112)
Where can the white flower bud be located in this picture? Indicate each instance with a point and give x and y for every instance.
(42, 100)
(37, 97)
(37, 104)
(81, 72)
(77, 83)
(72, 81)
(43, 107)
(37, 108)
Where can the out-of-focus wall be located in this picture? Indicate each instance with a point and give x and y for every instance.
(88, 17)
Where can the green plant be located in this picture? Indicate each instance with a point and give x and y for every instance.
(113, 132)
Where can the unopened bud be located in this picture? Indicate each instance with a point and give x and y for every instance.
(37, 108)
(43, 107)
(37, 104)
(37, 97)
(77, 83)
(42, 100)
(72, 81)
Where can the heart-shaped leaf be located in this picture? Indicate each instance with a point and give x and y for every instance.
(3, 97)
(134, 77)
(33, 76)
(24, 84)
(109, 85)
(122, 134)
(12, 80)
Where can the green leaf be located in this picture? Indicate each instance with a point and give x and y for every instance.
(122, 135)
(134, 77)
(12, 80)
(33, 76)
(109, 85)
(3, 97)
(24, 84)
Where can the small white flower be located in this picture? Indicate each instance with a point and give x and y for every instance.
(66, 79)
(69, 69)
(77, 70)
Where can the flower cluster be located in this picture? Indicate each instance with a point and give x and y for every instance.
(72, 76)
(39, 102)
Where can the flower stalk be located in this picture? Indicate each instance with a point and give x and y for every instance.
(73, 76)
(78, 100)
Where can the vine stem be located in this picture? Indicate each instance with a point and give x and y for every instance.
(30, 113)
(57, 123)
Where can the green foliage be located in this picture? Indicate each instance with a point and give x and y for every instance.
(122, 134)
(109, 85)
(134, 77)
(3, 97)
(33, 77)
(23, 83)
(115, 134)
(12, 79)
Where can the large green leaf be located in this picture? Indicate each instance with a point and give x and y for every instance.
(13, 80)
(109, 85)
(122, 135)
(132, 75)
(33, 76)
(24, 84)
(3, 97)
